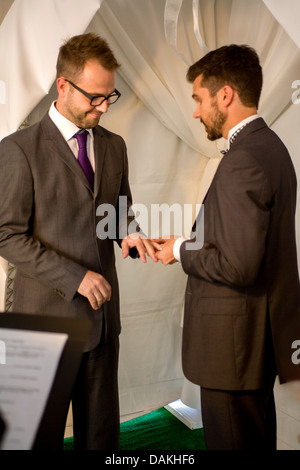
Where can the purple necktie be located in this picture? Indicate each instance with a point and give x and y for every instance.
(83, 157)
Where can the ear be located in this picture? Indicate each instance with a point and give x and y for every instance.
(226, 95)
(61, 86)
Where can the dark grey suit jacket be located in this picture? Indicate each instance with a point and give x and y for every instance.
(48, 222)
(242, 302)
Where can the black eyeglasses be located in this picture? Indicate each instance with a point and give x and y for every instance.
(98, 99)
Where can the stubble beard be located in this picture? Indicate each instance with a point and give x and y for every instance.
(218, 118)
(85, 120)
(82, 119)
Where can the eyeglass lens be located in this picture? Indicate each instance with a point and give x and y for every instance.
(98, 100)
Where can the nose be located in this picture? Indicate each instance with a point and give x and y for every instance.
(103, 107)
(197, 113)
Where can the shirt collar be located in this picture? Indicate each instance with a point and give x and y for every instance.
(65, 126)
(239, 125)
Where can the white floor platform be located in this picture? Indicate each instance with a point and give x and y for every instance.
(189, 416)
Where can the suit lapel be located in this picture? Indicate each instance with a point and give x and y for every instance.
(59, 147)
(100, 151)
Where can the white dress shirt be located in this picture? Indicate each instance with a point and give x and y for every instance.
(68, 129)
(239, 125)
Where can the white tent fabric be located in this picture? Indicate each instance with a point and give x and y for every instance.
(171, 161)
(287, 14)
(27, 28)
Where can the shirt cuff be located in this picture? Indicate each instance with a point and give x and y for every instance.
(176, 248)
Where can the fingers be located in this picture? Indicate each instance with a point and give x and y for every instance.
(96, 300)
(102, 292)
(125, 248)
(143, 245)
(158, 249)
(157, 244)
(95, 288)
(147, 247)
(166, 254)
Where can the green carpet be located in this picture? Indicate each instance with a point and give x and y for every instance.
(158, 430)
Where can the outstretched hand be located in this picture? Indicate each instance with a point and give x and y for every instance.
(164, 248)
(158, 249)
(143, 245)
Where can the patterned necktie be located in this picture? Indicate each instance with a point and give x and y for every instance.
(83, 158)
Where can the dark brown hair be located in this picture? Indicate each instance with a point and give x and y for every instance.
(236, 66)
(76, 51)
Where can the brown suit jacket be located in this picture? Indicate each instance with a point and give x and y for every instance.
(242, 302)
(48, 222)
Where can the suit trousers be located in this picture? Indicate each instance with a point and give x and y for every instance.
(95, 399)
(239, 420)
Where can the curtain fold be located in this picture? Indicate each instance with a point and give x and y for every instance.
(287, 14)
(139, 69)
(30, 36)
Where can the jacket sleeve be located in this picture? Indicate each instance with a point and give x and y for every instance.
(236, 220)
(127, 224)
(17, 243)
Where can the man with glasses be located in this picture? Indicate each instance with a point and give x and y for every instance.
(48, 225)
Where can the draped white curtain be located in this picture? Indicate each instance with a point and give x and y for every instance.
(171, 161)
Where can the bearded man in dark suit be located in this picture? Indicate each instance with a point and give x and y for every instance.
(242, 301)
(49, 221)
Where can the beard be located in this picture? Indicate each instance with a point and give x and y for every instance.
(218, 119)
(85, 120)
